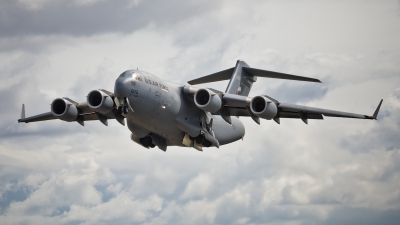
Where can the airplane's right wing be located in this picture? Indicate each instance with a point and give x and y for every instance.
(71, 111)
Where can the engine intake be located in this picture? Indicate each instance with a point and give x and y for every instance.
(207, 100)
(64, 109)
(100, 102)
(263, 107)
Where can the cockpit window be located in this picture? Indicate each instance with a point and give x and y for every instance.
(126, 74)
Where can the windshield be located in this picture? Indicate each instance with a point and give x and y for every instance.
(126, 74)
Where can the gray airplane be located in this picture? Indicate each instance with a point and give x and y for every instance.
(161, 113)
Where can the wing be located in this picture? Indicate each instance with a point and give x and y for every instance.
(239, 106)
(84, 113)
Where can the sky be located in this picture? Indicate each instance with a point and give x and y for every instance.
(335, 171)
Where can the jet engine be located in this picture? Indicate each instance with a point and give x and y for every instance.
(263, 107)
(64, 109)
(100, 102)
(207, 100)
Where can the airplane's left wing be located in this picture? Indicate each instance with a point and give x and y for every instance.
(245, 106)
(262, 106)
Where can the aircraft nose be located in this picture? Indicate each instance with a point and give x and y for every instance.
(121, 87)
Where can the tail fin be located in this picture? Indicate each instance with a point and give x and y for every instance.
(241, 81)
(242, 77)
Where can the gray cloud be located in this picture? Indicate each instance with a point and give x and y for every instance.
(64, 17)
(383, 135)
(298, 93)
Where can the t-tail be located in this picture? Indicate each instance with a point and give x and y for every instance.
(241, 81)
(242, 76)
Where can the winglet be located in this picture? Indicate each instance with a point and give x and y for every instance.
(22, 113)
(377, 110)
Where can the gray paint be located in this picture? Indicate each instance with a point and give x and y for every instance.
(241, 82)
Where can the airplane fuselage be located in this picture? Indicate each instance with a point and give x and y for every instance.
(160, 108)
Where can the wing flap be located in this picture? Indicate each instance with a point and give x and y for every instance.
(296, 115)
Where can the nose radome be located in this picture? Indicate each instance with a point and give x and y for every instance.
(121, 87)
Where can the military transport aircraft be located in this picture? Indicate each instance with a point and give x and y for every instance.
(160, 113)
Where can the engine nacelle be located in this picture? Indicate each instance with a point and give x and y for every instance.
(100, 102)
(207, 100)
(64, 109)
(263, 107)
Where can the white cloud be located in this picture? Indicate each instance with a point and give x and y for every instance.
(198, 187)
(132, 210)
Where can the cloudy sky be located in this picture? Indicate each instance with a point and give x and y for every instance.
(336, 171)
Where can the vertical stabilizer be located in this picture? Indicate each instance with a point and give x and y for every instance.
(241, 81)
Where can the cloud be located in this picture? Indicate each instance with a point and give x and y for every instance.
(197, 187)
(90, 17)
(330, 171)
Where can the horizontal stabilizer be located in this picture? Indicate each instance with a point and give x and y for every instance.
(219, 76)
(249, 72)
(271, 74)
